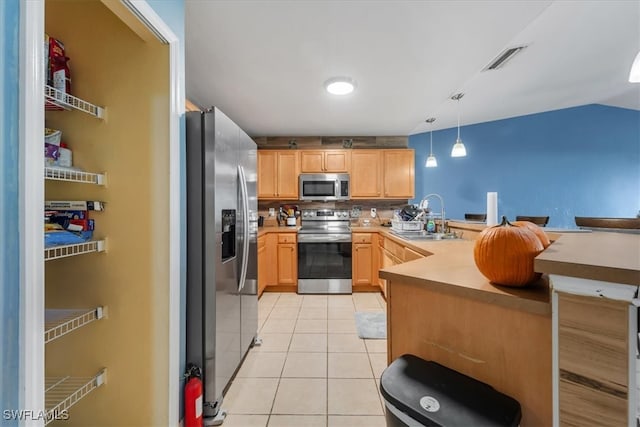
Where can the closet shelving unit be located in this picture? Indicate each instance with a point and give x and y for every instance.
(61, 393)
(59, 322)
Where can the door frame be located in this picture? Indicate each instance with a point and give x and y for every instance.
(31, 197)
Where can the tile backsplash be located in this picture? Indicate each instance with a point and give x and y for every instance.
(384, 209)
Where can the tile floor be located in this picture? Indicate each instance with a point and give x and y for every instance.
(312, 368)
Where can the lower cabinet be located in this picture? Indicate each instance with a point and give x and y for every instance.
(277, 262)
(262, 264)
(392, 253)
(287, 259)
(371, 251)
(364, 261)
(387, 259)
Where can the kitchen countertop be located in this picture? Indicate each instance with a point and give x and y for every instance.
(277, 229)
(451, 269)
(552, 232)
(610, 257)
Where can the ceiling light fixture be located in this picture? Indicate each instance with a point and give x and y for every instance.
(502, 58)
(340, 85)
(634, 74)
(431, 160)
(458, 149)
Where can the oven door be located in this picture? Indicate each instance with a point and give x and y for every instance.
(324, 263)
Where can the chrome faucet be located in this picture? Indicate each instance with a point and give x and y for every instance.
(424, 204)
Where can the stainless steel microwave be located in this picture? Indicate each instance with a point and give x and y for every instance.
(324, 186)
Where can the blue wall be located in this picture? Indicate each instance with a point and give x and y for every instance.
(582, 161)
(9, 225)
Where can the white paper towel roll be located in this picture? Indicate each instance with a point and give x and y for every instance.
(492, 208)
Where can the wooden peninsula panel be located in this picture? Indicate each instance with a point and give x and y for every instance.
(592, 361)
(595, 280)
(441, 308)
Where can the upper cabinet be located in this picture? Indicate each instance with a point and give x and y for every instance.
(374, 173)
(366, 171)
(387, 174)
(278, 172)
(398, 174)
(324, 161)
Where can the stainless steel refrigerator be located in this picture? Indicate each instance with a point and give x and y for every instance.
(222, 301)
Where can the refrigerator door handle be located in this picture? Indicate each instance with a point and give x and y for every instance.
(245, 220)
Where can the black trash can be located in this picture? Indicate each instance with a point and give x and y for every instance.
(421, 393)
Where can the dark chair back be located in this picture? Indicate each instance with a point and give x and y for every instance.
(475, 216)
(542, 221)
(608, 223)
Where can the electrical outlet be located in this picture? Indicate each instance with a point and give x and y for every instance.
(373, 212)
(272, 212)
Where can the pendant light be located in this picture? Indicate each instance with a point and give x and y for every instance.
(458, 149)
(431, 160)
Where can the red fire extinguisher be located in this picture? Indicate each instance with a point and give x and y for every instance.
(193, 397)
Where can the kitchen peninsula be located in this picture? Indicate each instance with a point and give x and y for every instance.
(441, 308)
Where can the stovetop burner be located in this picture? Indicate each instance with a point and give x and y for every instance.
(325, 221)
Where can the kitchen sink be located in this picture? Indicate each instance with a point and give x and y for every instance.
(423, 235)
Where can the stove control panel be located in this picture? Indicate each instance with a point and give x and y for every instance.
(325, 215)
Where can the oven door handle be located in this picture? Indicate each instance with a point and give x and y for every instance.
(324, 238)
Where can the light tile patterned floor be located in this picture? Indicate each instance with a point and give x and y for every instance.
(312, 368)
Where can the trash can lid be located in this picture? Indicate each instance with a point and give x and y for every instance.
(435, 395)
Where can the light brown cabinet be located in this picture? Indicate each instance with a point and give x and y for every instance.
(392, 253)
(278, 174)
(388, 258)
(262, 264)
(388, 174)
(364, 260)
(324, 161)
(398, 174)
(287, 259)
(366, 174)
(270, 269)
(277, 262)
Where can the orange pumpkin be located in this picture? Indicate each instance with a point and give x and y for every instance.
(536, 229)
(504, 254)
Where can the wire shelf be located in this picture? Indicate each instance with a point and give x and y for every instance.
(72, 175)
(58, 100)
(59, 322)
(56, 252)
(61, 393)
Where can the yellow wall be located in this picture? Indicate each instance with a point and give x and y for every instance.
(111, 66)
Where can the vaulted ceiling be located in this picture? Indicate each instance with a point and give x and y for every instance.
(265, 62)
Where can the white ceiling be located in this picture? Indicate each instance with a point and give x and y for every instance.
(264, 63)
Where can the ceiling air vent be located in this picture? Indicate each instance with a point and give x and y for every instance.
(503, 57)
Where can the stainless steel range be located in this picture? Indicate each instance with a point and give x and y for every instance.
(324, 252)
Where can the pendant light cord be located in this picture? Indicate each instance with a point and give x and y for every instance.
(431, 160)
(458, 118)
(457, 97)
(430, 121)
